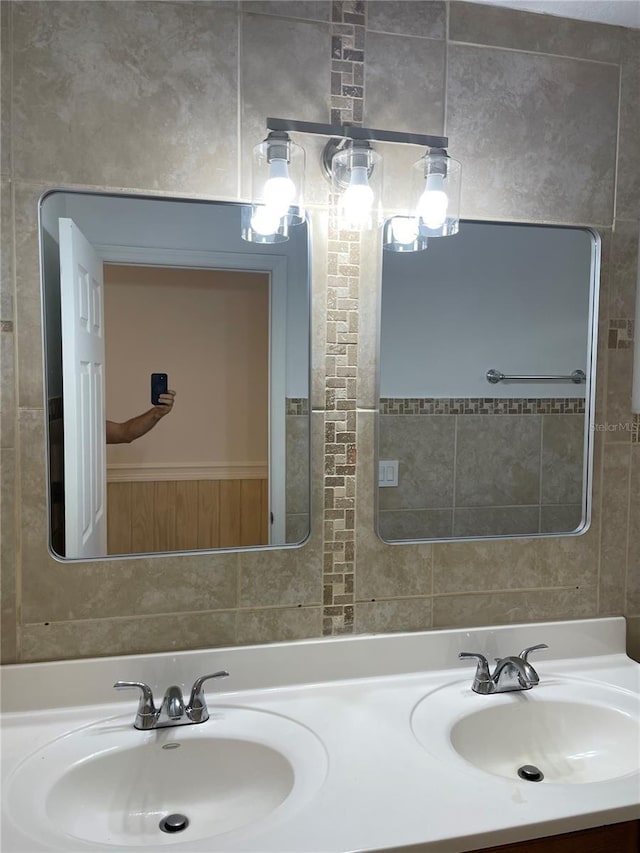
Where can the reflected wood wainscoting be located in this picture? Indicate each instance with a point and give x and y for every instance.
(184, 515)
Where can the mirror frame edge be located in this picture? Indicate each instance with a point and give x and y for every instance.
(590, 400)
(43, 340)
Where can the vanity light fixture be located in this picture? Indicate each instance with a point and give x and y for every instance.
(436, 181)
(277, 183)
(355, 170)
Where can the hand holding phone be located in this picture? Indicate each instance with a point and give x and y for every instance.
(159, 385)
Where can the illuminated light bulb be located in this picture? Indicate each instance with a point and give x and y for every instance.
(404, 229)
(357, 199)
(265, 221)
(433, 203)
(279, 189)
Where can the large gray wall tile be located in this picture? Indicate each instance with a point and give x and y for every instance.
(154, 107)
(404, 80)
(298, 449)
(278, 624)
(536, 134)
(399, 524)
(404, 90)
(6, 251)
(521, 30)
(501, 608)
(312, 10)
(426, 18)
(628, 195)
(382, 571)
(619, 366)
(623, 261)
(476, 566)
(496, 521)
(406, 614)
(633, 565)
(286, 73)
(7, 389)
(5, 91)
(560, 518)
(8, 615)
(424, 447)
(615, 520)
(100, 637)
(287, 580)
(562, 458)
(498, 460)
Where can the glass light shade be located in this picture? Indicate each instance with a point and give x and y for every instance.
(259, 224)
(356, 183)
(402, 234)
(277, 178)
(436, 190)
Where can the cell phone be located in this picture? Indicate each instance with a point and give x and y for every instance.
(159, 385)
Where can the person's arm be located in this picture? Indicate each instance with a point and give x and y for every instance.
(128, 431)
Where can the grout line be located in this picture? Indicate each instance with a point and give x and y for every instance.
(405, 35)
(445, 78)
(616, 170)
(475, 592)
(239, 157)
(179, 613)
(569, 58)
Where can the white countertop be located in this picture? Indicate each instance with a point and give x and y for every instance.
(383, 790)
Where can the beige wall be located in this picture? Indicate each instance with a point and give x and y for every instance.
(209, 331)
(96, 94)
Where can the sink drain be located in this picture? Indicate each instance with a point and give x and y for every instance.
(530, 773)
(174, 823)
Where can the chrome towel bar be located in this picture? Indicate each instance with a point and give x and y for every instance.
(494, 376)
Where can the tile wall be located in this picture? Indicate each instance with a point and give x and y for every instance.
(169, 98)
(481, 467)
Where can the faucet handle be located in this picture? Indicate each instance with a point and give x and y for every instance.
(482, 672)
(197, 708)
(146, 707)
(524, 654)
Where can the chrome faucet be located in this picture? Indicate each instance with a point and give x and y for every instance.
(511, 673)
(173, 711)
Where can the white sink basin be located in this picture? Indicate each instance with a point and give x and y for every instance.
(573, 732)
(111, 784)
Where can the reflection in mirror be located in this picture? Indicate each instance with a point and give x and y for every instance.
(135, 286)
(461, 456)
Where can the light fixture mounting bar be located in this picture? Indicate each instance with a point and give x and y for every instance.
(346, 131)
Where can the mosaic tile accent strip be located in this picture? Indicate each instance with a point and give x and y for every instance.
(341, 351)
(620, 334)
(635, 429)
(347, 61)
(482, 406)
(297, 406)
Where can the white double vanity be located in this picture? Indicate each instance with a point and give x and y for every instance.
(358, 743)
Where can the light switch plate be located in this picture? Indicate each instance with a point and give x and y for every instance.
(388, 472)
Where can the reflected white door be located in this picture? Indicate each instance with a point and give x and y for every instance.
(81, 292)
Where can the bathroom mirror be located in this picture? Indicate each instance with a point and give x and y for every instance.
(486, 386)
(133, 286)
